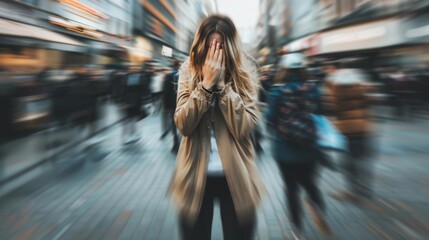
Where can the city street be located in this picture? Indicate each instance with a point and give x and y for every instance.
(124, 195)
(74, 74)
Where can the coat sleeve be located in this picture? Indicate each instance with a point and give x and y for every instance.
(241, 114)
(191, 103)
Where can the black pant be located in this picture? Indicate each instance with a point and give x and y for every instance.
(297, 175)
(358, 165)
(217, 188)
(172, 126)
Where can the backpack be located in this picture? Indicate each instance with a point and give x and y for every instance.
(295, 123)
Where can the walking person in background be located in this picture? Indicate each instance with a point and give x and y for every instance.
(156, 89)
(217, 113)
(345, 99)
(147, 72)
(170, 95)
(291, 100)
(131, 105)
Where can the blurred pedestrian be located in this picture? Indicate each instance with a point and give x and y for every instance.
(132, 102)
(266, 81)
(146, 78)
(347, 102)
(291, 101)
(170, 95)
(217, 113)
(82, 102)
(117, 85)
(156, 88)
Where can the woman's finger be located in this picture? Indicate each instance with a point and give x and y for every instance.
(216, 54)
(219, 58)
(207, 61)
(212, 50)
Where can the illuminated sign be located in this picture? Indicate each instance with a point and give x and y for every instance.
(362, 35)
(167, 51)
(371, 35)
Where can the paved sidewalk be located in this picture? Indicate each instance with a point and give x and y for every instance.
(123, 196)
(29, 151)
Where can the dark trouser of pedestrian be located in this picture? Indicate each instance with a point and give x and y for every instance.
(157, 101)
(296, 176)
(168, 118)
(129, 130)
(257, 138)
(175, 134)
(217, 189)
(358, 167)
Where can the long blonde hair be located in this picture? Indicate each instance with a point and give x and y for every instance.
(240, 68)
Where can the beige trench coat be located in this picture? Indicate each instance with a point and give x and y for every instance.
(234, 120)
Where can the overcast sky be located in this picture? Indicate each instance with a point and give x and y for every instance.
(244, 13)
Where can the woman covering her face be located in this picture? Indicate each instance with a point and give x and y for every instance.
(217, 113)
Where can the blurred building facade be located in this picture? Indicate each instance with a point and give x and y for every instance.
(189, 14)
(272, 29)
(59, 33)
(394, 31)
(159, 27)
(68, 32)
(54, 39)
(169, 25)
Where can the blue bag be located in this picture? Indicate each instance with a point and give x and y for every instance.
(328, 137)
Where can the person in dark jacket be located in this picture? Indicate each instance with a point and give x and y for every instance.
(298, 163)
(346, 100)
(170, 95)
(147, 72)
(132, 102)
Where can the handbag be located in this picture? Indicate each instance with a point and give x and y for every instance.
(328, 137)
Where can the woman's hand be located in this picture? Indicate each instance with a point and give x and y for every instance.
(212, 66)
(221, 82)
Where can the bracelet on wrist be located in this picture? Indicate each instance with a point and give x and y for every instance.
(206, 89)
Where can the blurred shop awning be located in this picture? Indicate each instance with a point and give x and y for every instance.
(369, 35)
(16, 33)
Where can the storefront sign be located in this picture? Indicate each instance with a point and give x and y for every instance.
(377, 34)
(167, 51)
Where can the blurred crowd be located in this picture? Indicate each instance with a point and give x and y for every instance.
(403, 89)
(75, 96)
